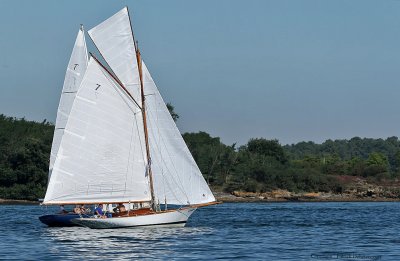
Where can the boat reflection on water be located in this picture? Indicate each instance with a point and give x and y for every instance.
(125, 243)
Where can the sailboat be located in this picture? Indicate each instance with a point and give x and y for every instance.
(116, 142)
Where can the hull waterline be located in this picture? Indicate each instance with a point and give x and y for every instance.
(59, 220)
(166, 218)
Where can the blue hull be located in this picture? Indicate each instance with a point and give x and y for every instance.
(59, 220)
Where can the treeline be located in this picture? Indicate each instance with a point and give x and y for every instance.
(24, 156)
(260, 165)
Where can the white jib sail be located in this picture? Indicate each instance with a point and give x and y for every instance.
(102, 154)
(114, 39)
(177, 178)
(73, 77)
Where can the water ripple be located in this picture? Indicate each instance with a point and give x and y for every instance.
(274, 231)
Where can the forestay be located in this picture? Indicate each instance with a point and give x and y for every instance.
(102, 155)
(73, 77)
(177, 178)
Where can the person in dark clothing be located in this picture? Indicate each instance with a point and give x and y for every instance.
(99, 211)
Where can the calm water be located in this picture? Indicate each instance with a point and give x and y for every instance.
(271, 231)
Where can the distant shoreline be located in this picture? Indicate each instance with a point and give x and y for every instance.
(17, 201)
(250, 200)
(285, 196)
(228, 198)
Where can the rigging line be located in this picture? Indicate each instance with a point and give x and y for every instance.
(112, 74)
(179, 182)
(85, 47)
(160, 163)
(141, 144)
(145, 129)
(156, 140)
(118, 92)
(136, 48)
(169, 154)
(141, 148)
(129, 157)
(183, 212)
(162, 103)
(173, 163)
(170, 188)
(156, 137)
(100, 54)
(168, 184)
(130, 25)
(166, 180)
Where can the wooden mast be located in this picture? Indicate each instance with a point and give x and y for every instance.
(143, 108)
(146, 134)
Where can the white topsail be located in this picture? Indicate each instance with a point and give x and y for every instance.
(73, 77)
(101, 157)
(114, 39)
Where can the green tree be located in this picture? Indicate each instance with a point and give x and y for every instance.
(376, 163)
(214, 158)
(356, 166)
(270, 148)
(171, 110)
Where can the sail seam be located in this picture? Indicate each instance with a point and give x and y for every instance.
(129, 157)
(162, 162)
(179, 184)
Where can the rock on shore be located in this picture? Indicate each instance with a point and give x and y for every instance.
(358, 190)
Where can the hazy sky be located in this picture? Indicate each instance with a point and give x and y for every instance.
(291, 70)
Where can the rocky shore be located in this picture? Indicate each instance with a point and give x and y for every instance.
(286, 196)
(358, 190)
(17, 201)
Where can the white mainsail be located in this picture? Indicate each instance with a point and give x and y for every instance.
(101, 156)
(177, 178)
(73, 77)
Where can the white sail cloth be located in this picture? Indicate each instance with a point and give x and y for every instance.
(177, 178)
(73, 77)
(101, 156)
(114, 39)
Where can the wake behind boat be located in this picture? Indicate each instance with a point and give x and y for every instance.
(115, 141)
